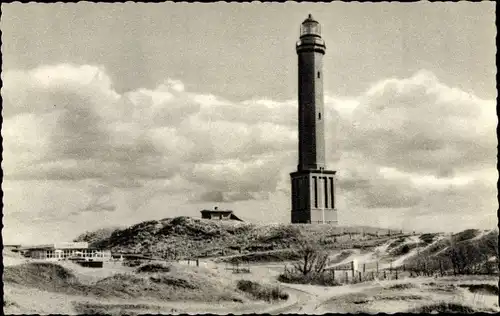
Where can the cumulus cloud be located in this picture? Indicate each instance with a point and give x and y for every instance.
(395, 146)
(421, 125)
(68, 123)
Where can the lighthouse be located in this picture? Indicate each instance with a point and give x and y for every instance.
(313, 186)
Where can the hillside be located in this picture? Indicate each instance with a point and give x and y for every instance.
(184, 237)
(469, 251)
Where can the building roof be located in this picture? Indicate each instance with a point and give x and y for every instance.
(217, 211)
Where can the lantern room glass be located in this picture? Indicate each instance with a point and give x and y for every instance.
(310, 28)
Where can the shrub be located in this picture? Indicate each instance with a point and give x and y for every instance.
(277, 256)
(132, 263)
(402, 286)
(487, 288)
(262, 292)
(153, 268)
(403, 250)
(323, 279)
(428, 238)
(446, 307)
(397, 242)
(465, 235)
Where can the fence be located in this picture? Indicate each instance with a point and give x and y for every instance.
(238, 267)
(189, 262)
(352, 272)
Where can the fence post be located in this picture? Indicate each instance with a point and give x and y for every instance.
(346, 277)
(385, 275)
(333, 274)
(396, 274)
(364, 267)
(373, 276)
(359, 276)
(352, 269)
(197, 262)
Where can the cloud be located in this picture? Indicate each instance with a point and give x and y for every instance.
(67, 123)
(220, 196)
(421, 125)
(398, 146)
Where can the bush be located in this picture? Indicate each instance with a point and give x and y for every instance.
(402, 286)
(465, 235)
(323, 279)
(153, 268)
(277, 256)
(403, 250)
(262, 292)
(485, 288)
(428, 238)
(132, 263)
(397, 242)
(445, 307)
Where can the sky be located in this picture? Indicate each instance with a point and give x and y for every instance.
(119, 113)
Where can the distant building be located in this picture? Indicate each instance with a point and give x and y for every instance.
(66, 250)
(219, 214)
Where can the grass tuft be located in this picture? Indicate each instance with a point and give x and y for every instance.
(262, 292)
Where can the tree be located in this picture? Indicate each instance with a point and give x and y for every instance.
(312, 259)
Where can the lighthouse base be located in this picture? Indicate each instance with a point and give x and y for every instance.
(313, 197)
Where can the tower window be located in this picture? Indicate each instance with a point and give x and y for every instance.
(332, 193)
(319, 74)
(326, 192)
(315, 192)
(319, 116)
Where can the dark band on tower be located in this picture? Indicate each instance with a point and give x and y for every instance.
(313, 187)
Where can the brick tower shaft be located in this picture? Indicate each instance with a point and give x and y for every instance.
(313, 187)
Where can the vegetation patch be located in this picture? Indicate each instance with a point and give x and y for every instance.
(398, 297)
(403, 249)
(401, 286)
(397, 242)
(274, 256)
(428, 238)
(467, 256)
(481, 288)
(180, 283)
(446, 307)
(133, 263)
(466, 235)
(45, 276)
(153, 268)
(344, 254)
(324, 278)
(262, 292)
(88, 308)
(175, 282)
(185, 237)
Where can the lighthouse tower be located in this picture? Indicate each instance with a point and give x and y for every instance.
(313, 186)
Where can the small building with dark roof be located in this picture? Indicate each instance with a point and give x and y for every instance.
(217, 214)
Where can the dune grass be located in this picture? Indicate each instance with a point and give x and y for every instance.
(178, 283)
(262, 292)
